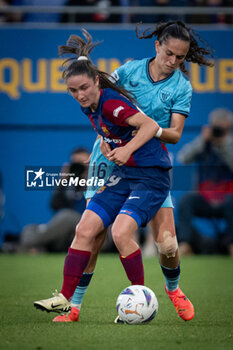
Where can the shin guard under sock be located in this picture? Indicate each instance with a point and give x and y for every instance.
(75, 263)
(134, 267)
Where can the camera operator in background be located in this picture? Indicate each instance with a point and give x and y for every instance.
(68, 203)
(213, 199)
(72, 197)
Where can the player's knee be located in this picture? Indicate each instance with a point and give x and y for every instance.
(118, 238)
(99, 241)
(168, 246)
(84, 233)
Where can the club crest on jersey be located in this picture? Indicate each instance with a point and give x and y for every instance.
(117, 111)
(165, 95)
(105, 130)
(101, 189)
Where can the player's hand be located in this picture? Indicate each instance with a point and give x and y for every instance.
(134, 132)
(119, 155)
(105, 148)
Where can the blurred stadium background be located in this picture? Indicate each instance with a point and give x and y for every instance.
(40, 123)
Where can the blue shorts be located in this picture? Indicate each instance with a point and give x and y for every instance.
(137, 192)
(102, 168)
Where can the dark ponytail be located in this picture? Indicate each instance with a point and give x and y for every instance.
(178, 30)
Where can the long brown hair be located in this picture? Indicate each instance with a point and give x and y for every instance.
(178, 30)
(75, 66)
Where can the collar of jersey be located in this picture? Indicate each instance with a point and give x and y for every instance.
(149, 77)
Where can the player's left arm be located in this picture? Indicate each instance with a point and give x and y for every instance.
(173, 134)
(179, 111)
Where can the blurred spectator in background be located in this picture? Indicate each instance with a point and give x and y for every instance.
(213, 152)
(5, 17)
(126, 17)
(102, 16)
(218, 17)
(154, 18)
(68, 204)
(39, 17)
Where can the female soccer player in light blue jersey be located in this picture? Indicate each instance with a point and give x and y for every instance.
(164, 94)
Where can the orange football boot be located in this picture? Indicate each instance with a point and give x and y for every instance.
(182, 304)
(72, 316)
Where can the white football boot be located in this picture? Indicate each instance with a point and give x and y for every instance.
(118, 320)
(58, 303)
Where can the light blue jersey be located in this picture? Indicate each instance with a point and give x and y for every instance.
(100, 167)
(158, 100)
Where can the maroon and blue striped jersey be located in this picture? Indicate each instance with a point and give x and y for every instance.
(109, 120)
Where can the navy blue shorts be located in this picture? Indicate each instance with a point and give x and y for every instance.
(137, 192)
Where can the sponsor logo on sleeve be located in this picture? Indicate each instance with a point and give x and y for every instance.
(117, 111)
(133, 84)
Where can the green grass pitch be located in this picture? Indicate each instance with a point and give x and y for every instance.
(207, 280)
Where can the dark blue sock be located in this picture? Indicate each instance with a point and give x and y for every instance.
(81, 289)
(172, 277)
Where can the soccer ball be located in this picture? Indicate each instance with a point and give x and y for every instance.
(137, 304)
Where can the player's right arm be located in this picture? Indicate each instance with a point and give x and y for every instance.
(147, 129)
